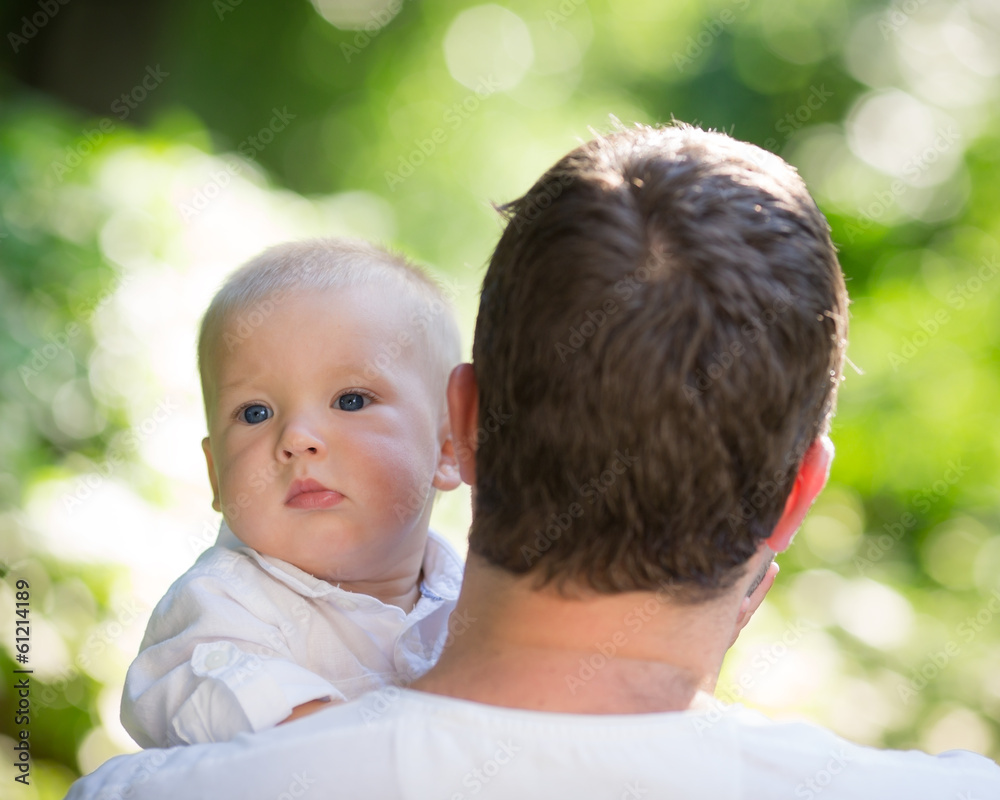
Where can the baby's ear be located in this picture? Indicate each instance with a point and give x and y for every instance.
(206, 448)
(446, 476)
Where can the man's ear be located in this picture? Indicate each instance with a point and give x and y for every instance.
(809, 482)
(212, 477)
(753, 600)
(463, 411)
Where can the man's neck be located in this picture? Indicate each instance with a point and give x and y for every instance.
(521, 647)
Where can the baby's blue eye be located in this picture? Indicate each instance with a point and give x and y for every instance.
(255, 413)
(351, 402)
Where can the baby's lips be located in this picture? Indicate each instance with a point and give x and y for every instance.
(309, 494)
(304, 486)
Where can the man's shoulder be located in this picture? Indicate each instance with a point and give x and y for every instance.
(741, 754)
(805, 760)
(448, 746)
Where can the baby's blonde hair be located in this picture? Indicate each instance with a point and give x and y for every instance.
(321, 265)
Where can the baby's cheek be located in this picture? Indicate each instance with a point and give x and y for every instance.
(241, 502)
(230, 484)
(403, 469)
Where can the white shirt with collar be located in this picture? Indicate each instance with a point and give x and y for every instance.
(240, 639)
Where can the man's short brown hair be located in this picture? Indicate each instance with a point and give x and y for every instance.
(663, 323)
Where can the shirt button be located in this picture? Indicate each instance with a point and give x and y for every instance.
(216, 659)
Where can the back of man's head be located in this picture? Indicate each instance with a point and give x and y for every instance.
(664, 321)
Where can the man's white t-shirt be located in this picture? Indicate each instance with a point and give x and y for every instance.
(400, 743)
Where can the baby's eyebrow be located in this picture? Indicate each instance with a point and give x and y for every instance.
(349, 374)
(236, 384)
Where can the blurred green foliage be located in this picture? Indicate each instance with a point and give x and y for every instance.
(885, 622)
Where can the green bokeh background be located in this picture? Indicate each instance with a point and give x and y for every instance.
(885, 622)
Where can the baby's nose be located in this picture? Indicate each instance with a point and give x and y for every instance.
(299, 440)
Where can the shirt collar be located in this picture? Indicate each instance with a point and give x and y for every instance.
(442, 570)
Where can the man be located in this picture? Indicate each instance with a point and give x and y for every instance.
(661, 333)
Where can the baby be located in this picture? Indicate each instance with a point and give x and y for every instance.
(324, 366)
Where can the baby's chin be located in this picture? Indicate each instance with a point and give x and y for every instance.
(338, 564)
(346, 554)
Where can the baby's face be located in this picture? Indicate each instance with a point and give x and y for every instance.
(327, 433)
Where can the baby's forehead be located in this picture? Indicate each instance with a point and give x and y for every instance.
(419, 325)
